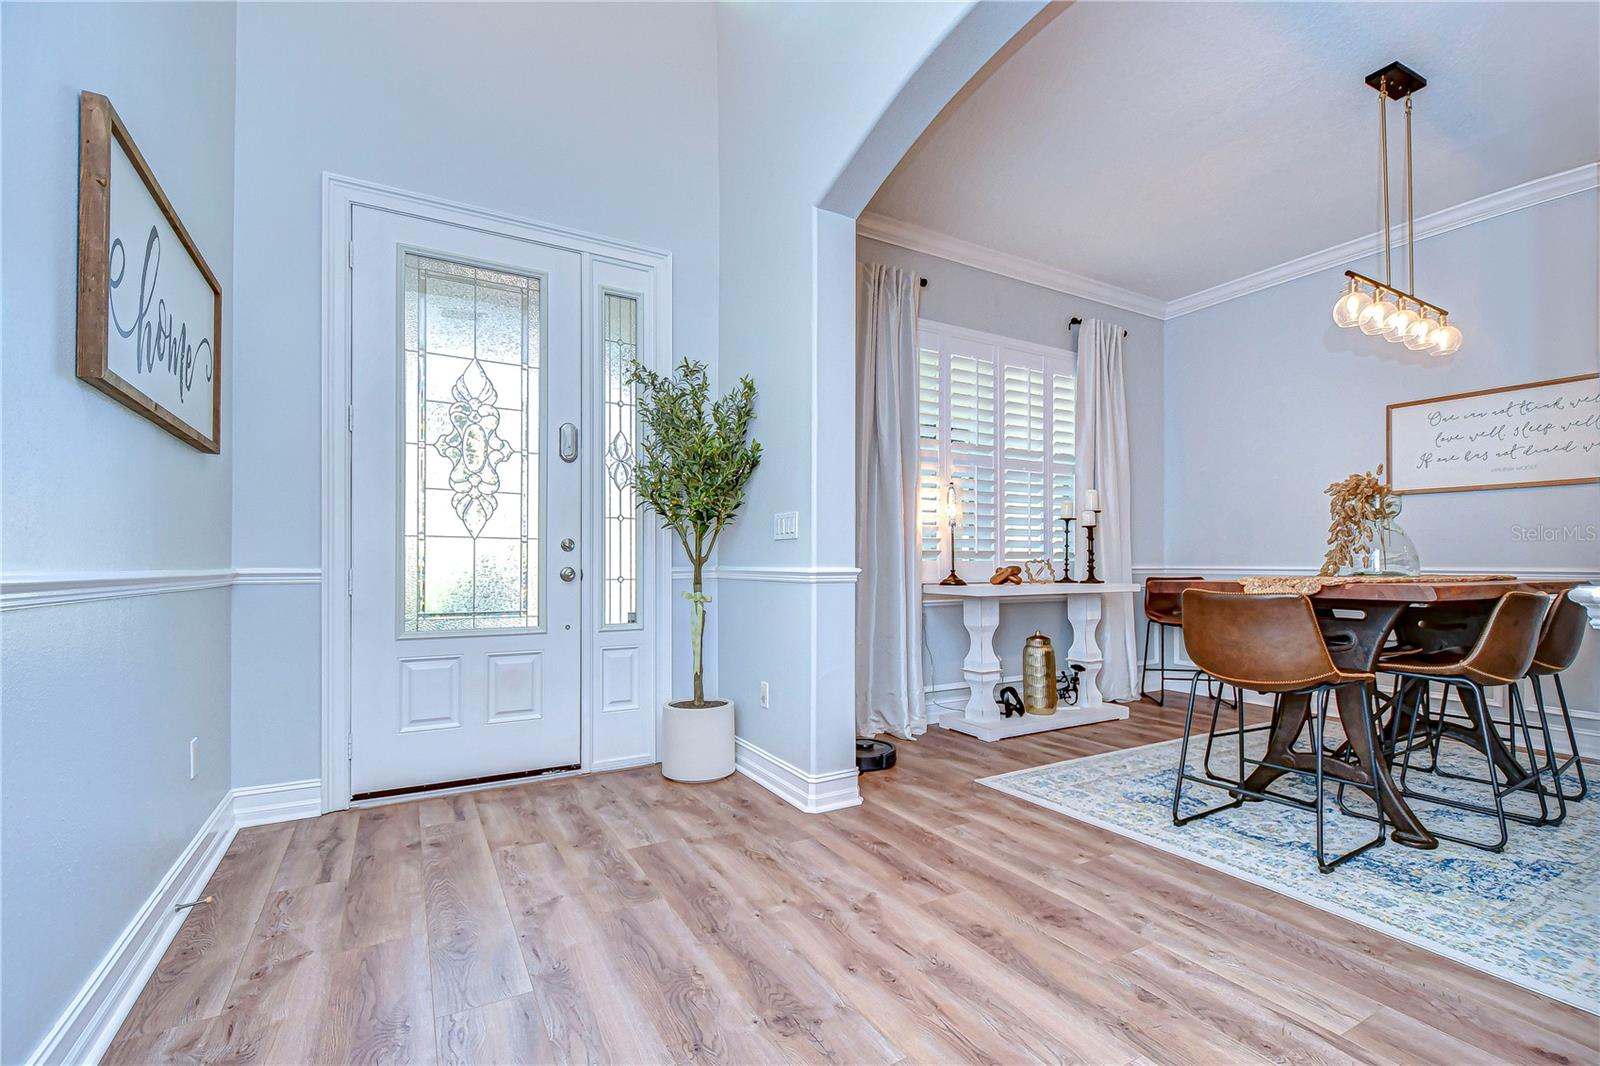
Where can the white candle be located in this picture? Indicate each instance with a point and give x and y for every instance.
(1087, 518)
(1066, 509)
(1091, 500)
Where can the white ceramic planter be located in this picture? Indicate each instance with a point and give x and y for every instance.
(697, 742)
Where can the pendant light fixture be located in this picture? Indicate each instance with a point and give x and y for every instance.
(1378, 307)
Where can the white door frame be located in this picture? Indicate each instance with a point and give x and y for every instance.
(340, 195)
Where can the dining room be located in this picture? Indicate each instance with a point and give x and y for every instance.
(1245, 596)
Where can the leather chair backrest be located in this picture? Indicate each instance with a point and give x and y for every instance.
(1164, 602)
(1266, 643)
(1563, 635)
(1505, 648)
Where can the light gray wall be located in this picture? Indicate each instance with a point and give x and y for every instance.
(801, 87)
(599, 117)
(961, 295)
(101, 699)
(1267, 402)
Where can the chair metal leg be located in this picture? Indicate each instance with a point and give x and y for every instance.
(1319, 726)
(1183, 762)
(1573, 760)
(1478, 708)
(1144, 664)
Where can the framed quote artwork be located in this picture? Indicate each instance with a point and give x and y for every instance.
(149, 308)
(1541, 433)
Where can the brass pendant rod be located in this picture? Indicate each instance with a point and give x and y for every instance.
(1383, 147)
(1399, 294)
(1411, 210)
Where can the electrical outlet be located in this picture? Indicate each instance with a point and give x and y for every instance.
(765, 694)
(786, 525)
(194, 757)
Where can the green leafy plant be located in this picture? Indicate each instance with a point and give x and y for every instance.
(692, 468)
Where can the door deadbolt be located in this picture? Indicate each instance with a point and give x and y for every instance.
(567, 544)
(568, 573)
(567, 441)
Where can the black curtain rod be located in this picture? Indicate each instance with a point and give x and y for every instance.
(1075, 321)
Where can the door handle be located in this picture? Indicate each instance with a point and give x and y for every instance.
(568, 573)
(568, 442)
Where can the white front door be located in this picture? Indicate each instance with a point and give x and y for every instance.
(466, 513)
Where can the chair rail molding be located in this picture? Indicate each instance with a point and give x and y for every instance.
(21, 591)
(794, 575)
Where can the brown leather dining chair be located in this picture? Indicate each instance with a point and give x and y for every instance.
(1163, 610)
(1502, 654)
(1557, 650)
(1559, 642)
(1268, 644)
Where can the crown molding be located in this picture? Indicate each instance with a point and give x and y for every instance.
(930, 242)
(1528, 194)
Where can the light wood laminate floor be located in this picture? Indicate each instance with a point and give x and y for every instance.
(622, 918)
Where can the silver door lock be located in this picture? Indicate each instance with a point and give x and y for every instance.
(567, 442)
(567, 544)
(568, 573)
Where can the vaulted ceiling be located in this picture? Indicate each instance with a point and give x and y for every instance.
(1166, 148)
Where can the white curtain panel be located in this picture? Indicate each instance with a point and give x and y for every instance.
(888, 593)
(1101, 430)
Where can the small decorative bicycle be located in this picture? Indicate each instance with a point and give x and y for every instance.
(1067, 685)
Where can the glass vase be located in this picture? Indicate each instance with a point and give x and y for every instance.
(1390, 550)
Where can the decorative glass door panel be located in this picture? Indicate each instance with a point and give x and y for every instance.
(470, 418)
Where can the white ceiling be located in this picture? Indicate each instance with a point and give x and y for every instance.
(1165, 148)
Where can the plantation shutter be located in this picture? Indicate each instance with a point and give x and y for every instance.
(1023, 464)
(930, 460)
(996, 419)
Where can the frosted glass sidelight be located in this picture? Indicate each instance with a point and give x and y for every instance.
(619, 339)
(470, 415)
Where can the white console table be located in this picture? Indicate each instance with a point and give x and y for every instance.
(980, 612)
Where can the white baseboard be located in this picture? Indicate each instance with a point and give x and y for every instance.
(265, 804)
(812, 793)
(90, 1022)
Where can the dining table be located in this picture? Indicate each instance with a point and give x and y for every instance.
(1357, 617)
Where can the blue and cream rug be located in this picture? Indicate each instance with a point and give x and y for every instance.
(1530, 914)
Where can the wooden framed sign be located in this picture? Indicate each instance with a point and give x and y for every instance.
(1541, 433)
(149, 308)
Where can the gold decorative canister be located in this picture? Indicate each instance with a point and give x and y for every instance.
(1038, 675)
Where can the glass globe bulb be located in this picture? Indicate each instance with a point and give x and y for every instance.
(1376, 315)
(1445, 340)
(1420, 334)
(1348, 307)
(1397, 325)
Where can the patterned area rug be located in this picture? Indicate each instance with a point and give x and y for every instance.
(1530, 914)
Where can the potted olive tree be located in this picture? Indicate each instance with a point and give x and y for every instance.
(692, 468)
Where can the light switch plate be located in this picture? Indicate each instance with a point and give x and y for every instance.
(766, 694)
(786, 525)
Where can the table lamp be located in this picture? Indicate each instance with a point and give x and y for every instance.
(952, 510)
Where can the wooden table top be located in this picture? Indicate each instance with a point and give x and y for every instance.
(1418, 591)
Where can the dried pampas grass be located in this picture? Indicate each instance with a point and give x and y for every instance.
(1355, 505)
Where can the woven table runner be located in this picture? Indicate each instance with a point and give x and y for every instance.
(1311, 584)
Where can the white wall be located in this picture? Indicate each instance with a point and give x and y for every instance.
(1267, 402)
(817, 102)
(102, 698)
(961, 295)
(599, 117)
